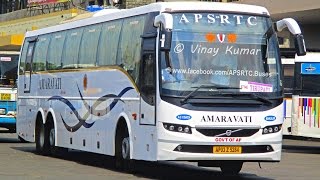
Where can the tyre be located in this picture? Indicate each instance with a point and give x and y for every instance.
(42, 136)
(53, 149)
(123, 161)
(231, 168)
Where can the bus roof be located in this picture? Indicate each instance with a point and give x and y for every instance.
(155, 7)
(309, 57)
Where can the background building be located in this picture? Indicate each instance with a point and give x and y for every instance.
(19, 16)
(306, 12)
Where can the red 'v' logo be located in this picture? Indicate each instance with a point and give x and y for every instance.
(221, 37)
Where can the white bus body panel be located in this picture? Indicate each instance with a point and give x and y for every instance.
(62, 98)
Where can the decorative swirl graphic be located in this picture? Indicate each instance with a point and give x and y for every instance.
(90, 110)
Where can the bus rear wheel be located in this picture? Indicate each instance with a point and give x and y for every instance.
(231, 167)
(53, 149)
(42, 145)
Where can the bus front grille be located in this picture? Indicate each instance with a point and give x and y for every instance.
(228, 132)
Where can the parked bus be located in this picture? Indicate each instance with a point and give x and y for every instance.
(305, 118)
(8, 89)
(183, 81)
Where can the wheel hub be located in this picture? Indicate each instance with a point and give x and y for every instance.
(51, 137)
(125, 148)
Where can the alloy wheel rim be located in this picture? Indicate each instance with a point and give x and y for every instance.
(51, 137)
(125, 148)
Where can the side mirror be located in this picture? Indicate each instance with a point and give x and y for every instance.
(300, 45)
(165, 22)
(296, 31)
(165, 40)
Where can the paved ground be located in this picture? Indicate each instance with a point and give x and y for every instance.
(302, 145)
(300, 160)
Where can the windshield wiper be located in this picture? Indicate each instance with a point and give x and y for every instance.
(217, 87)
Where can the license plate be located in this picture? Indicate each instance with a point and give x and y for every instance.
(5, 97)
(227, 149)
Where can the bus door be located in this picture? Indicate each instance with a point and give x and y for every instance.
(148, 80)
(28, 66)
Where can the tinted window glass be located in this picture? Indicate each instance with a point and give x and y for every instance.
(8, 68)
(55, 51)
(23, 56)
(40, 53)
(89, 45)
(130, 45)
(219, 49)
(71, 48)
(108, 45)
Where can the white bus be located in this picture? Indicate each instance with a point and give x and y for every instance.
(305, 117)
(183, 81)
(8, 89)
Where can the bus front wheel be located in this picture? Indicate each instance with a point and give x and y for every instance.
(122, 151)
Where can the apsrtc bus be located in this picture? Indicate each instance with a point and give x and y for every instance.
(8, 89)
(191, 81)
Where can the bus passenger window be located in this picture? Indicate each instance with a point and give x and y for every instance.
(55, 50)
(130, 45)
(108, 43)
(88, 46)
(40, 53)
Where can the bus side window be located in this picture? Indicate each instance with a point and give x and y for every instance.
(71, 49)
(130, 45)
(108, 43)
(88, 46)
(23, 57)
(40, 53)
(30, 52)
(55, 51)
(148, 77)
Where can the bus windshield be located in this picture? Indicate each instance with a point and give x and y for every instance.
(237, 52)
(8, 69)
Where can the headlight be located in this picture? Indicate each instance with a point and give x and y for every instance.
(177, 128)
(2, 111)
(11, 113)
(271, 129)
